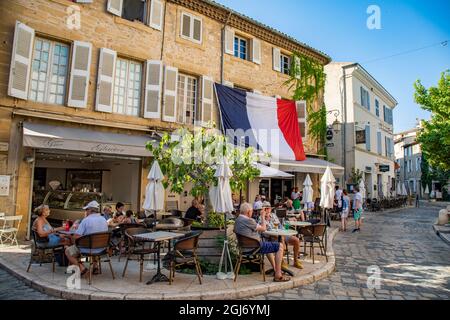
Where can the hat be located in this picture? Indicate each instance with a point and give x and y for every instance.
(266, 204)
(93, 204)
(263, 197)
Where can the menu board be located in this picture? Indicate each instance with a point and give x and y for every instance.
(4, 185)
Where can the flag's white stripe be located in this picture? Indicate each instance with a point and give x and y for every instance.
(263, 117)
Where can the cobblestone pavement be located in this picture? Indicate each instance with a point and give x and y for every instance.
(414, 261)
(13, 289)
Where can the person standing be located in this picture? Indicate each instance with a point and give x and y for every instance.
(338, 199)
(295, 196)
(345, 210)
(357, 209)
(417, 200)
(257, 205)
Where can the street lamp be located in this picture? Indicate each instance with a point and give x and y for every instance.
(336, 124)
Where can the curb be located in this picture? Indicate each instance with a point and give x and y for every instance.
(230, 294)
(444, 236)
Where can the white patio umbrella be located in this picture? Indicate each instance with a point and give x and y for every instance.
(154, 193)
(307, 191)
(404, 192)
(362, 189)
(427, 190)
(399, 189)
(154, 196)
(327, 189)
(222, 201)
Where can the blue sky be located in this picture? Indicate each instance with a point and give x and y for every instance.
(339, 29)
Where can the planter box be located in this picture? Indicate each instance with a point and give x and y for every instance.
(208, 246)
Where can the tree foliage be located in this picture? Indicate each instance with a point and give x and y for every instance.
(435, 134)
(192, 157)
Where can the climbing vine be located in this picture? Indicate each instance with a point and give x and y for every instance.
(307, 81)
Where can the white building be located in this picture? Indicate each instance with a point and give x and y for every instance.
(362, 137)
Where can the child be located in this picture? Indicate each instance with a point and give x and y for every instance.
(345, 210)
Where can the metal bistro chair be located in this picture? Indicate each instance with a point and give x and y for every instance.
(249, 251)
(40, 248)
(184, 252)
(9, 229)
(100, 240)
(137, 248)
(314, 234)
(123, 242)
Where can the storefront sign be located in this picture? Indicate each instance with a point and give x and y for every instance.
(329, 135)
(384, 168)
(4, 185)
(360, 136)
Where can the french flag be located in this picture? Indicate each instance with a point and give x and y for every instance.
(270, 124)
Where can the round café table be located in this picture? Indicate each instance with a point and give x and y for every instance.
(279, 233)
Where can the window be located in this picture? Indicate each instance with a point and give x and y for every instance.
(49, 71)
(285, 64)
(379, 143)
(409, 165)
(377, 107)
(388, 115)
(301, 114)
(187, 98)
(365, 98)
(191, 27)
(368, 138)
(135, 10)
(127, 87)
(240, 47)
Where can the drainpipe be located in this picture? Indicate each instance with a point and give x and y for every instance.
(163, 30)
(222, 57)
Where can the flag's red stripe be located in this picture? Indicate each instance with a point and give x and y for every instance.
(288, 123)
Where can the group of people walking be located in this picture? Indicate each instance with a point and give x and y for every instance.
(342, 205)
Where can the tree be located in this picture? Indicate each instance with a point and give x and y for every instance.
(191, 157)
(430, 174)
(435, 134)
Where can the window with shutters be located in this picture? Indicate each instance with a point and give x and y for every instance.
(377, 107)
(136, 10)
(379, 149)
(241, 47)
(365, 98)
(191, 27)
(285, 64)
(48, 81)
(187, 98)
(127, 87)
(301, 114)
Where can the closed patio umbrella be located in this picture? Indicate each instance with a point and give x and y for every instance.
(327, 189)
(154, 192)
(307, 191)
(404, 192)
(399, 189)
(362, 189)
(427, 190)
(222, 202)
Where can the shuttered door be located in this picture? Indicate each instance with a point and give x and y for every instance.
(19, 74)
(79, 74)
(170, 94)
(107, 63)
(207, 99)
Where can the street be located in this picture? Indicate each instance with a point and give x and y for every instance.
(414, 263)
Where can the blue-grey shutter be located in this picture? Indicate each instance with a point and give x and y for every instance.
(368, 138)
(368, 100)
(379, 142)
(362, 95)
(391, 144)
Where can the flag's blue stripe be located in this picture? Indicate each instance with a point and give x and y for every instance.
(233, 108)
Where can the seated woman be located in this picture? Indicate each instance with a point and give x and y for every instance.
(116, 219)
(44, 230)
(129, 217)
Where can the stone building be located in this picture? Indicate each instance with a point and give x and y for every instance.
(85, 84)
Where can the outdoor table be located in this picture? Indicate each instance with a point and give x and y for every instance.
(158, 237)
(281, 233)
(300, 223)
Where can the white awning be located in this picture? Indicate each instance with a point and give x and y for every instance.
(310, 165)
(66, 138)
(269, 172)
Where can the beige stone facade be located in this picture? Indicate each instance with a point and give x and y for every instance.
(131, 40)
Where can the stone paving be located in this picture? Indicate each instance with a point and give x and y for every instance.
(414, 262)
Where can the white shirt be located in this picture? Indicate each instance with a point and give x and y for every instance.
(257, 205)
(357, 197)
(338, 197)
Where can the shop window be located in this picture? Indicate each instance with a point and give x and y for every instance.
(241, 47)
(49, 72)
(187, 98)
(127, 87)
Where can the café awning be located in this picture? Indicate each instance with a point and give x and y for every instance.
(310, 165)
(269, 172)
(66, 138)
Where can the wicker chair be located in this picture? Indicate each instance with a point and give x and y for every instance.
(41, 247)
(314, 234)
(123, 243)
(249, 251)
(137, 248)
(184, 252)
(94, 242)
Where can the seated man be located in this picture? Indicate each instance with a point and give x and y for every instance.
(93, 223)
(246, 226)
(194, 212)
(272, 222)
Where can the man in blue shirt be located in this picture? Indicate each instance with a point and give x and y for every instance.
(93, 223)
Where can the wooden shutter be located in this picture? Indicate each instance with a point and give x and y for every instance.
(229, 41)
(276, 59)
(207, 99)
(153, 86)
(115, 7)
(256, 51)
(21, 59)
(170, 94)
(79, 74)
(197, 29)
(105, 81)
(156, 14)
(302, 116)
